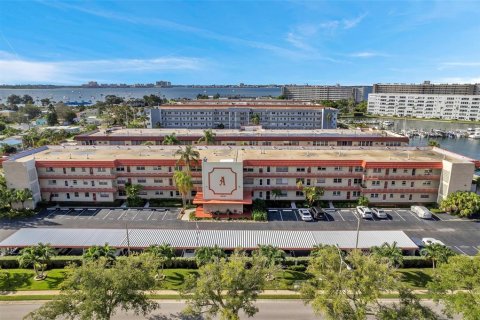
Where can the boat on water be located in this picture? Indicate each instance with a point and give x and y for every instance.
(388, 123)
(475, 134)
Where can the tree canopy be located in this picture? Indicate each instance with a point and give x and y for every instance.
(462, 203)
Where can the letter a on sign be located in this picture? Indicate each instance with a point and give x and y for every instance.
(222, 181)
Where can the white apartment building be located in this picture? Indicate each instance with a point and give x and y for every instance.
(450, 107)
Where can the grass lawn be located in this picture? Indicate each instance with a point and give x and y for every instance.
(22, 279)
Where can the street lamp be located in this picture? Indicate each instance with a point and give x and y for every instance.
(358, 231)
(341, 260)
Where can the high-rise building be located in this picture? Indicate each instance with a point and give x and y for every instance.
(357, 93)
(427, 88)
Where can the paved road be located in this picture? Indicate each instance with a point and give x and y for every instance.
(268, 310)
(461, 235)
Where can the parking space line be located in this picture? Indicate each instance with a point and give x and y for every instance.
(124, 211)
(52, 212)
(110, 211)
(399, 215)
(281, 216)
(476, 248)
(438, 217)
(295, 212)
(151, 212)
(461, 250)
(133, 218)
(414, 215)
(340, 215)
(164, 215)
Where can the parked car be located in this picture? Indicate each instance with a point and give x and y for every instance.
(379, 213)
(364, 212)
(318, 213)
(421, 212)
(305, 214)
(429, 241)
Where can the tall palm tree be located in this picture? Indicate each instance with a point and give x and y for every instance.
(187, 157)
(38, 256)
(164, 254)
(184, 184)
(204, 255)
(170, 139)
(390, 253)
(96, 252)
(208, 137)
(437, 253)
(363, 201)
(313, 194)
(276, 193)
(23, 195)
(255, 118)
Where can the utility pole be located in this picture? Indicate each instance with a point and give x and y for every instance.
(128, 240)
(358, 231)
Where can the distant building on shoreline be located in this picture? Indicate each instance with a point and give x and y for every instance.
(335, 93)
(427, 88)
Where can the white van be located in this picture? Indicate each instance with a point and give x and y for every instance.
(421, 212)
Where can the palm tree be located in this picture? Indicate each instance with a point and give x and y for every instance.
(132, 191)
(164, 253)
(188, 156)
(9, 196)
(96, 252)
(23, 195)
(37, 256)
(170, 139)
(208, 137)
(204, 255)
(437, 253)
(255, 118)
(276, 193)
(363, 201)
(433, 143)
(183, 181)
(272, 257)
(390, 253)
(313, 194)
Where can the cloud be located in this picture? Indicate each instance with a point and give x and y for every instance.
(367, 54)
(343, 23)
(19, 70)
(458, 64)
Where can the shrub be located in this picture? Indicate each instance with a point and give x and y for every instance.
(11, 262)
(259, 204)
(299, 268)
(17, 214)
(192, 216)
(259, 215)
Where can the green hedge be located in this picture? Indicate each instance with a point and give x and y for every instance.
(416, 262)
(11, 262)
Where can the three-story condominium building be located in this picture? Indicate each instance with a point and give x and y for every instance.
(251, 136)
(229, 177)
(234, 115)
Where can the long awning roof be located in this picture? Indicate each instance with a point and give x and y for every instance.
(190, 239)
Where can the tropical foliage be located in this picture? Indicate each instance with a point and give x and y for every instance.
(170, 139)
(390, 253)
(437, 253)
(187, 157)
(313, 194)
(208, 137)
(272, 257)
(363, 201)
(132, 191)
(104, 252)
(184, 184)
(163, 254)
(204, 294)
(92, 291)
(36, 256)
(204, 255)
(462, 203)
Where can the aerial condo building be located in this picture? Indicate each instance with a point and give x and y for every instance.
(229, 177)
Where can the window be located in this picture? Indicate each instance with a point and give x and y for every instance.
(156, 168)
(300, 169)
(424, 196)
(338, 169)
(404, 183)
(299, 194)
(103, 183)
(140, 168)
(393, 183)
(358, 169)
(428, 172)
(72, 169)
(102, 169)
(247, 169)
(356, 193)
(141, 180)
(394, 170)
(281, 181)
(157, 181)
(427, 183)
(375, 183)
(120, 168)
(374, 195)
(337, 193)
(377, 170)
(281, 169)
(391, 195)
(87, 194)
(321, 180)
(54, 195)
(52, 182)
(104, 195)
(405, 170)
(337, 180)
(76, 194)
(50, 169)
(321, 169)
(402, 196)
(158, 193)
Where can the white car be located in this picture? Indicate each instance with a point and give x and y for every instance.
(379, 213)
(364, 212)
(305, 214)
(429, 241)
(421, 212)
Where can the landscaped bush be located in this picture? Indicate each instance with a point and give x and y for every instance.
(192, 216)
(165, 202)
(299, 268)
(259, 215)
(11, 262)
(416, 262)
(259, 204)
(16, 214)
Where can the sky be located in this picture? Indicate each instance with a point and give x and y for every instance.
(231, 42)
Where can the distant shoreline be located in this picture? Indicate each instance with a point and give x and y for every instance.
(48, 87)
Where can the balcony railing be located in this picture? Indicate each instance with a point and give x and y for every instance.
(405, 190)
(303, 174)
(403, 177)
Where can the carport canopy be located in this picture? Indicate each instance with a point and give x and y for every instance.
(191, 239)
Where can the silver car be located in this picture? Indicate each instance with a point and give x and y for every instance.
(305, 214)
(379, 213)
(364, 212)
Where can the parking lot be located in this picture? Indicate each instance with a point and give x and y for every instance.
(117, 214)
(350, 214)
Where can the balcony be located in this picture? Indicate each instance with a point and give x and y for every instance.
(403, 177)
(303, 174)
(77, 176)
(404, 190)
(72, 189)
